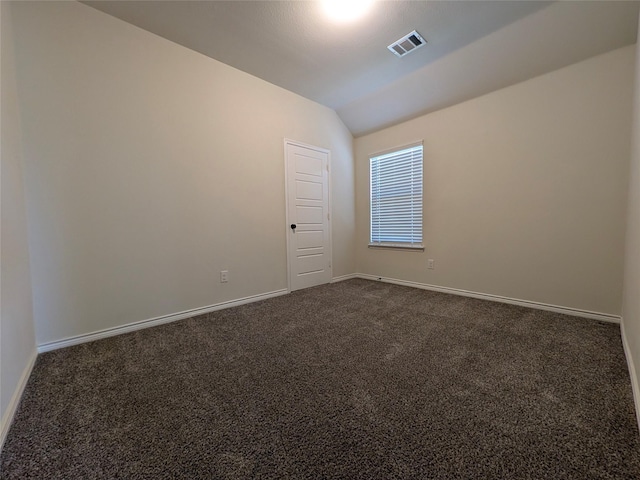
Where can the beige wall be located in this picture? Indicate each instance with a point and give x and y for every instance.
(150, 168)
(17, 342)
(525, 189)
(631, 299)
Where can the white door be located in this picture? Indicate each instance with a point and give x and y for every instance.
(308, 236)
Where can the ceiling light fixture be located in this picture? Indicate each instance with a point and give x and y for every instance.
(343, 11)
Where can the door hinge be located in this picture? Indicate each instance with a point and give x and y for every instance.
(328, 216)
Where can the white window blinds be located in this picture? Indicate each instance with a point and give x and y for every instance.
(396, 198)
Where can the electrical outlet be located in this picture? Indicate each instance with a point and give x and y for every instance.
(431, 264)
(224, 276)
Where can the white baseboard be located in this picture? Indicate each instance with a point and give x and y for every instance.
(152, 322)
(632, 372)
(131, 327)
(342, 278)
(10, 412)
(605, 317)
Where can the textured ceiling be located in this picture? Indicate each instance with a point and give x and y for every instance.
(473, 47)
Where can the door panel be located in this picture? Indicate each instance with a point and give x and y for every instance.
(308, 165)
(310, 264)
(310, 239)
(309, 215)
(309, 190)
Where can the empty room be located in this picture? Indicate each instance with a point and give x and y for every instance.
(320, 240)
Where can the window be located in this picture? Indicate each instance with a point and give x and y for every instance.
(396, 198)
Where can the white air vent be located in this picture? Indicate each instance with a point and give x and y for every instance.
(406, 44)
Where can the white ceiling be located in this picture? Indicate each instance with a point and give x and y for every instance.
(473, 47)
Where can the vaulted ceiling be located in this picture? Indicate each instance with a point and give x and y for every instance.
(473, 48)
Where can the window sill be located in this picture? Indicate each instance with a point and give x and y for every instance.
(397, 246)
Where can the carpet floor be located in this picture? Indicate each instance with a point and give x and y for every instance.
(353, 380)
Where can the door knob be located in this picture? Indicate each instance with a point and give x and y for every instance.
(293, 227)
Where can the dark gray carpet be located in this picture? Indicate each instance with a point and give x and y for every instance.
(355, 380)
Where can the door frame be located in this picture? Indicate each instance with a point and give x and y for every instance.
(288, 141)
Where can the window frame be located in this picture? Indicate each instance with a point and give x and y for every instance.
(414, 244)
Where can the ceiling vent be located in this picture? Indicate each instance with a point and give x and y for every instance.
(410, 42)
